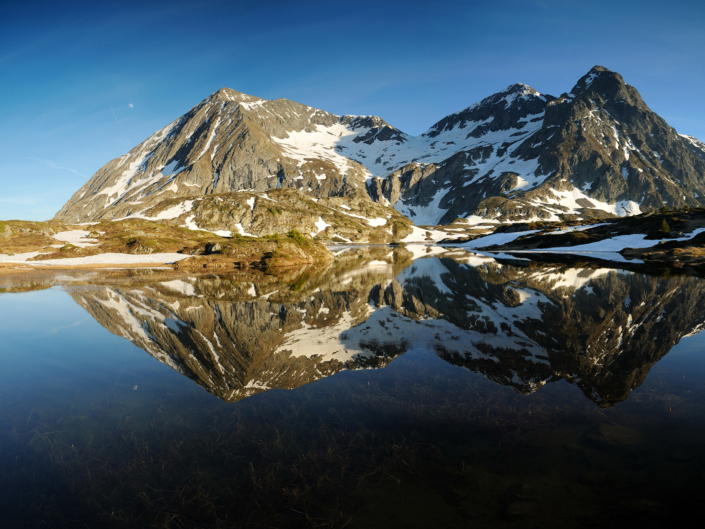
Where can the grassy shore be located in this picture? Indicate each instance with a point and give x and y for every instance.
(139, 237)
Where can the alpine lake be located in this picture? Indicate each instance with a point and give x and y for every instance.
(422, 387)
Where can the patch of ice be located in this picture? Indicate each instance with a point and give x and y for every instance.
(495, 238)
(424, 235)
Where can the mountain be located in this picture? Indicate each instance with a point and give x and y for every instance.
(235, 142)
(593, 152)
(517, 155)
(519, 326)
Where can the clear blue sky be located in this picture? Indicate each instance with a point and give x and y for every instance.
(69, 71)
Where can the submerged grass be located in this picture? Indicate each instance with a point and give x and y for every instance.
(450, 449)
(279, 462)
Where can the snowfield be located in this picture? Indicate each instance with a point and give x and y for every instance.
(101, 259)
(607, 249)
(76, 237)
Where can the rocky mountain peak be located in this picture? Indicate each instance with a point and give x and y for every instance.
(359, 122)
(608, 85)
(519, 90)
(376, 129)
(230, 95)
(500, 111)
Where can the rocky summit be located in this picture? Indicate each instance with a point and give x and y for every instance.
(516, 156)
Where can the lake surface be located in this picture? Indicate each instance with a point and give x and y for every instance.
(430, 388)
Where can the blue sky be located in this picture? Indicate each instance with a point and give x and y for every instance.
(69, 71)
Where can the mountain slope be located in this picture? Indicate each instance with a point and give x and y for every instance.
(517, 155)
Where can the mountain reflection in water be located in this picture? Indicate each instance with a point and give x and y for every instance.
(517, 323)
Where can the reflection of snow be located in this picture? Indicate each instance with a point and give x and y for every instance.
(575, 278)
(180, 286)
(431, 269)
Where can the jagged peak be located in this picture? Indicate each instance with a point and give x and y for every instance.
(367, 122)
(507, 97)
(598, 68)
(600, 79)
(230, 95)
(519, 88)
(519, 99)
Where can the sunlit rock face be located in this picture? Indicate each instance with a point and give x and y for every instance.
(518, 325)
(229, 142)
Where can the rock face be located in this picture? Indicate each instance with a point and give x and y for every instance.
(329, 219)
(516, 155)
(601, 330)
(695, 145)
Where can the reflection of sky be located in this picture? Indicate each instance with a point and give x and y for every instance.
(48, 342)
(686, 358)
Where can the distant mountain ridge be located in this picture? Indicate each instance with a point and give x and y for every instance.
(517, 155)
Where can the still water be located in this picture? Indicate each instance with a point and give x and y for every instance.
(444, 389)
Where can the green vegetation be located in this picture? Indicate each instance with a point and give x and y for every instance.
(665, 229)
(296, 235)
(579, 236)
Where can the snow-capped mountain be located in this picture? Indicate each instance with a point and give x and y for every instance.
(595, 151)
(514, 156)
(236, 142)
